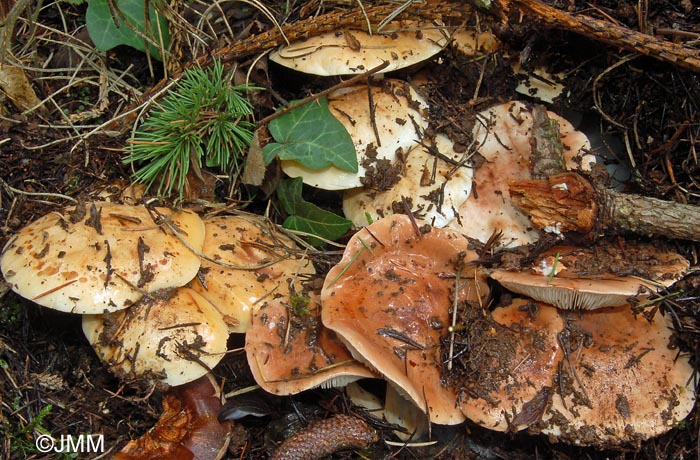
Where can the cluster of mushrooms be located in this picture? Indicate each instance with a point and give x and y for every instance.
(409, 302)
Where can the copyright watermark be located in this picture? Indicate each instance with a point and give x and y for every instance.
(66, 443)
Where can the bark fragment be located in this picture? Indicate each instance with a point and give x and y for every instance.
(570, 203)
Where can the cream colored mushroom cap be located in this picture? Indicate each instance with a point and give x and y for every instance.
(102, 256)
(250, 261)
(173, 337)
(401, 44)
(584, 280)
(434, 187)
(398, 114)
(388, 300)
(626, 384)
(472, 43)
(289, 357)
(502, 134)
(515, 366)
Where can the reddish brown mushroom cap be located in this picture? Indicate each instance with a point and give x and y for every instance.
(102, 256)
(622, 383)
(287, 357)
(388, 299)
(515, 358)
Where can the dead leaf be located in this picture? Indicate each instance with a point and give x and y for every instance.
(15, 84)
(254, 169)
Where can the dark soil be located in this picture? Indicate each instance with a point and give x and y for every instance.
(645, 113)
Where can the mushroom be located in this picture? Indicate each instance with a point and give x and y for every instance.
(400, 43)
(172, 336)
(391, 123)
(472, 43)
(621, 381)
(432, 187)
(289, 350)
(596, 276)
(502, 135)
(388, 300)
(508, 369)
(102, 257)
(247, 262)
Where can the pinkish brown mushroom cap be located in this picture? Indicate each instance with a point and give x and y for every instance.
(388, 299)
(514, 355)
(502, 134)
(289, 350)
(622, 382)
(596, 276)
(102, 256)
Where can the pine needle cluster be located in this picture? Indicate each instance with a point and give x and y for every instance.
(204, 120)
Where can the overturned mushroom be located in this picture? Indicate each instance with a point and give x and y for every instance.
(388, 300)
(248, 261)
(602, 275)
(395, 110)
(172, 337)
(99, 257)
(433, 183)
(289, 350)
(502, 135)
(400, 43)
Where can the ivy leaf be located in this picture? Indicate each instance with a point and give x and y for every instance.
(312, 136)
(106, 34)
(307, 217)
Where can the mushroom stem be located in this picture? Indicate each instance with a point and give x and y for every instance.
(325, 437)
(571, 203)
(610, 33)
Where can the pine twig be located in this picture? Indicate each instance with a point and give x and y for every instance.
(610, 33)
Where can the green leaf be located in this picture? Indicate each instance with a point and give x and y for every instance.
(106, 34)
(312, 136)
(307, 217)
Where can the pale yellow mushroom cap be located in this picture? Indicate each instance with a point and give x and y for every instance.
(401, 44)
(102, 256)
(502, 135)
(388, 299)
(399, 119)
(433, 188)
(173, 337)
(250, 262)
